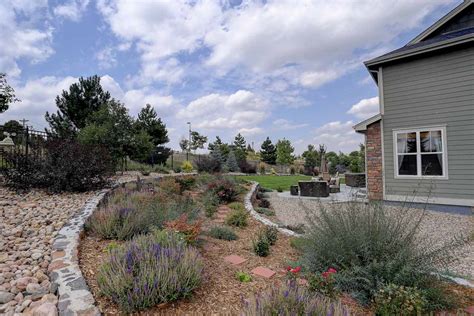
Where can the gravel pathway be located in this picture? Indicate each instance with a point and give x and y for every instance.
(28, 224)
(437, 226)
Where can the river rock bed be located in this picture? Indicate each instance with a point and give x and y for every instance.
(28, 224)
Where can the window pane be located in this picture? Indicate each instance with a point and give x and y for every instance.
(431, 141)
(425, 142)
(407, 165)
(432, 164)
(406, 143)
(436, 141)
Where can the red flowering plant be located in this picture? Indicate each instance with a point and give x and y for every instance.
(324, 283)
(293, 273)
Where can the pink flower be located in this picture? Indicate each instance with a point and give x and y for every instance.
(288, 268)
(296, 270)
(325, 274)
(332, 270)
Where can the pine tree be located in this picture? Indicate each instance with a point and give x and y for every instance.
(231, 162)
(240, 150)
(149, 121)
(268, 152)
(77, 106)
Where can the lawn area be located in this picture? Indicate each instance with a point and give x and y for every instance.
(274, 182)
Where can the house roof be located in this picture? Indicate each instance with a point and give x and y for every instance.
(450, 30)
(362, 126)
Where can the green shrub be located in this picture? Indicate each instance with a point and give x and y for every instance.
(370, 246)
(324, 283)
(225, 189)
(298, 228)
(187, 166)
(271, 233)
(243, 277)
(265, 211)
(292, 299)
(399, 300)
(237, 218)
(222, 232)
(210, 203)
(279, 189)
(297, 243)
(261, 246)
(186, 183)
(148, 271)
(236, 206)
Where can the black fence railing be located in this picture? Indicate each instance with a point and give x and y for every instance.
(20, 142)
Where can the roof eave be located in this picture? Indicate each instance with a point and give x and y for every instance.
(370, 64)
(362, 126)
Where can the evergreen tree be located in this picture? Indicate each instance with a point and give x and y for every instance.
(268, 152)
(250, 149)
(149, 121)
(239, 149)
(311, 158)
(284, 152)
(197, 140)
(217, 155)
(76, 106)
(222, 147)
(7, 94)
(231, 162)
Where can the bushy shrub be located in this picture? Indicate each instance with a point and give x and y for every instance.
(129, 212)
(237, 218)
(148, 271)
(117, 222)
(292, 170)
(247, 167)
(261, 246)
(222, 232)
(371, 245)
(399, 300)
(186, 183)
(236, 206)
(271, 233)
(208, 164)
(64, 165)
(190, 231)
(243, 277)
(261, 168)
(187, 166)
(324, 283)
(210, 202)
(177, 169)
(280, 189)
(292, 299)
(265, 211)
(225, 189)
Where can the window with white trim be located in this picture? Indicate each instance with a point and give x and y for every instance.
(420, 152)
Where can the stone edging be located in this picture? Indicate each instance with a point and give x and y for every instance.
(74, 297)
(260, 218)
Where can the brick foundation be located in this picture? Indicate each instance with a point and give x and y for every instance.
(373, 143)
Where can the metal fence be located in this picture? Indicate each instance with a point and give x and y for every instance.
(20, 142)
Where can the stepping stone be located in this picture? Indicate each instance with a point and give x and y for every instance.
(234, 259)
(263, 272)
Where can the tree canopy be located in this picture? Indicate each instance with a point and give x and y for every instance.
(284, 152)
(149, 121)
(7, 93)
(268, 152)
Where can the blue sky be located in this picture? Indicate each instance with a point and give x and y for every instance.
(281, 68)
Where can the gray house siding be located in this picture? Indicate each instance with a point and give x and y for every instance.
(433, 91)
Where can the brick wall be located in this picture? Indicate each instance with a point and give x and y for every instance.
(374, 162)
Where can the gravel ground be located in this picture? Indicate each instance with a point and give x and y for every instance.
(437, 226)
(28, 224)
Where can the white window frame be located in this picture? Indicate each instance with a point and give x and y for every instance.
(419, 153)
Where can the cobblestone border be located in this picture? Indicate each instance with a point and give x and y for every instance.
(260, 218)
(74, 297)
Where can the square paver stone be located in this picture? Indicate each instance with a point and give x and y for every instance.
(264, 272)
(234, 259)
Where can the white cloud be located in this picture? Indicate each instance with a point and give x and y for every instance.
(284, 124)
(106, 58)
(37, 96)
(250, 131)
(338, 136)
(365, 108)
(20, 38)
(72, 9)
(241, 110)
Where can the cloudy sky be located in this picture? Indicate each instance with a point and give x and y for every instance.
(283, 68)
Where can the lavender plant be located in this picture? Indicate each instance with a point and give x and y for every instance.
(291, 299)
(150, 270)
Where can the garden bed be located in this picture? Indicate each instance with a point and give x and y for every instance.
(220, 291)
